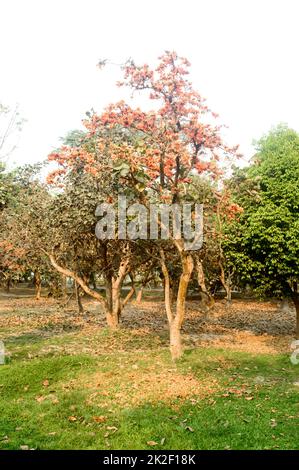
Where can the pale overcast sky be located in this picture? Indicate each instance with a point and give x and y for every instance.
(244, 56)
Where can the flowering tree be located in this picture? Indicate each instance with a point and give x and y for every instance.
(171, 143)
(11, 261)
(21, 226)
(85, 177)
(151, 156)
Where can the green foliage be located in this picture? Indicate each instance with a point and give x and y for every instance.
(74, 138)
(6, 187)
(264, 244)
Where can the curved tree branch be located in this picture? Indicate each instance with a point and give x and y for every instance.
(73, 275)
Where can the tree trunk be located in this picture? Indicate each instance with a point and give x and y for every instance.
(187, 265)
(229, 288)
(7, 285)
(226, 283)
(294, 294)
(78, 298)
(75, 277)
(38, 285)
(128, 296)
(229, 294)
(113, 303)
(201, 276)
(167, 289)
(116, 301)
(207, 299)
(295, 298)
(93, 281)
(143, 284)
(176, 347)
(175, 321)
(112, 319)
(139, 295)
(63, 286)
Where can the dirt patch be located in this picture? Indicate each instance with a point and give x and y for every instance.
(245, 341)
(133, 387)
(251, 326)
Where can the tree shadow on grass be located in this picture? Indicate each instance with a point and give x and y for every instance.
(39, 335)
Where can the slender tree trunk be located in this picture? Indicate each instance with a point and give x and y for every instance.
(176, 321)
(38, 285)
(167, 289)
(113, 308)
(139, 295)
(295, 298)
(93, 281)
(7, 285)
(128, 296)
(78, 298)
(76, 278)
(206, 298)
(229, 294)
(297, 320)
(176, 347)
(112, 320)
(201, 276)
(145, 281)
(112, 303)
(116, 300)
(176, 343)
(226, 283)
(294, 294)
(229, 288)
(63, 286)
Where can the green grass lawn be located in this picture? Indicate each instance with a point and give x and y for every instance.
(121, 391)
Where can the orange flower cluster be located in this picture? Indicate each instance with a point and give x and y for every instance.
(174, 139)
(69, 158)
(10, 256)
(229, 210)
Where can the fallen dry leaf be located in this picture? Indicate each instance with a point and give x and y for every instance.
(112, 428)
(152, 443)
(99, 419)
(40, 398)
(189, 428)
(72, 419)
